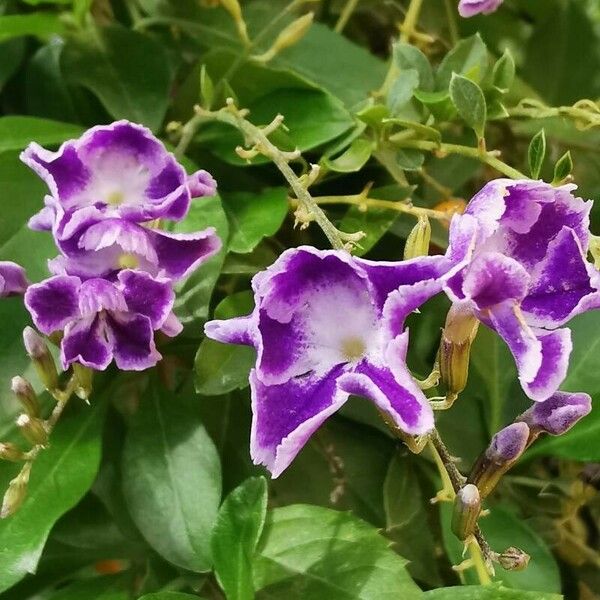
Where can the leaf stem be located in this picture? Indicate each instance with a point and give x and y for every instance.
(410, 21)
(345, 15)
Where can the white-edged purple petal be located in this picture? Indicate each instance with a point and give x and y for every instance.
(542, 357)
(286, 415)
(559, 413)
(54, 302)
(85, 343)
(202, 184)
(132, 339)
(13, 280)
(147, 296)
(392, 388)
(97, 295)
(238, 330)
(470, 8)
(171, 326)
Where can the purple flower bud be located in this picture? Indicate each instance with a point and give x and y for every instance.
(559, 413)
(469, 8)
(34, 343)
(43, 361)
(508, 444)
(201, 184)
(12, 279)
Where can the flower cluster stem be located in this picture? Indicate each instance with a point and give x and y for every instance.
(345, 15)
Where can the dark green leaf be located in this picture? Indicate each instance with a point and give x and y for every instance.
(41, 24)
(112, 62)
(172, 479)
(402, 90)
(563, 168)
(59, 478)
(11, 55)
(503, 529)
(439, 103)
(207, 88)
(17, 132)
(172, 596)
(313, 553)
(469, 101)
(97, 588)
(537, 153)
(504, 72)
(353, 159)
(253, 217)
(468, 58)
(409, 159)
(235, 536)
(493, 592)
(408, 57)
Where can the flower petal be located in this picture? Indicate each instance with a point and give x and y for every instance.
(85, 343)
(12, 278)
(132, 340)
(287, 414)
(202, 184)
(392, 388)
(232, 331)
(147, 296)
(54, 302)
(564, 284)
(470, 8)
(542, 357)
(96, 295)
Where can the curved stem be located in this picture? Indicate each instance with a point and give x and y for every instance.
(345, 15)
(410, 21)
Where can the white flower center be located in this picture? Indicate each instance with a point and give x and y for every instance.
(353, 348)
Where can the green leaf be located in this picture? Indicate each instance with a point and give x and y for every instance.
(537, 153)
(312, 553)
(439, 103)
(96, 588)
(469, 101)
(353, 159)
(253, 217)
(488, 592)
(563, 168)
(207, 88)
(235, 537)
(61, 475)
(406, 57)
(312, 117)
(409, 159)
(112, 62)
(468, 58)
(17, 132)
(194, 294)
(41, 24)
(171, 596)
(12, 53)
(503, 529)
(402, 90)
(172, 479)
(504, 72)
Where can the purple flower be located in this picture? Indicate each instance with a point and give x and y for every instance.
(104, 320)
(527, 274)
(557, 414)
(469, 8)
(326, 325)
(97, 247)
(12, 279)
(121, 169)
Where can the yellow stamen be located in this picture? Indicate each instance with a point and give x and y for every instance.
(115, 198)
(128, 261)
(353, 349)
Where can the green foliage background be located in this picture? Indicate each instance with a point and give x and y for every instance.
(155, 475)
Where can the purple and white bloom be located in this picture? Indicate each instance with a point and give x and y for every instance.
(97, 247)
(121, 169)
(103, 320)
(527, 274)
(326, 325)
(12, 279)
(470, 8)
(557, 414)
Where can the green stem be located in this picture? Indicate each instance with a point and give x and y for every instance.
(452, 27)
(345, 15)
(410, 21)
(487, 158)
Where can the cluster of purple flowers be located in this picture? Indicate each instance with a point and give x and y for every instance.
(326, 325)
(112, 283)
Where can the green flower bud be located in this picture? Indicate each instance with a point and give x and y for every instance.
(10, 452)
(22, 389)
(83, 376)
(33, 429)
(16, 493)
(417, 243)
(43, 361)
(513, 559)
(467, 508)
(291, 35)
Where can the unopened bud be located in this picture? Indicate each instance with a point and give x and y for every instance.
(455, 348)
(16, 492)
(513, 559)
(417, 243)
(10, 452)
(504, 450)
(467, 508)
(22, 389)
(37, 349)
(33, 429)
(83, 378)
(235, 10)
(291, 35)
(557, 414)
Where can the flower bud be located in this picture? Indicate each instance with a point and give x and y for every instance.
(557, 414)
(455, 348)
(467, 508)
(43, 361)
(83, 377)
(513, 559)
(33, 429)
(22, 389)
(504, 450)
(16, 492)
(10, 452)
(417, 243)
(235, 10)
(291, 35)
